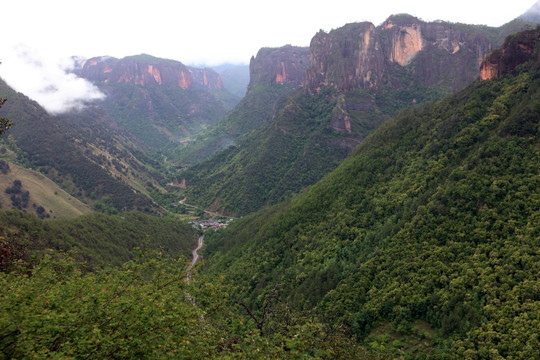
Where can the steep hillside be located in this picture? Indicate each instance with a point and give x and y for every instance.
(84, 152)
(159, 101)
(31, 191)
(358, 76)
(425, 241)
(98, 240)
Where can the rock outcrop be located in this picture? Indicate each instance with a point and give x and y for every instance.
(284, 65)
(145, 70)
(361, 55)
(516, 50)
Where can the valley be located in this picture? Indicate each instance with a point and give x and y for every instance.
(374, 195)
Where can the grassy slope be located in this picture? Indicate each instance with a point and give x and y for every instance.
(43, 192)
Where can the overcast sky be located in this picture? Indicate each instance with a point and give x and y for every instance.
(200, 31)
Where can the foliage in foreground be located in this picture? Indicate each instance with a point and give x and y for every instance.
(145, 309)
(100, 240)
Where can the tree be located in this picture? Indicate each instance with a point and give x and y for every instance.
(5, 124)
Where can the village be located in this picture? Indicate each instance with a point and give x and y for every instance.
(214, 224)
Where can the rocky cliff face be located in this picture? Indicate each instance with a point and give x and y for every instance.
(145, 70)
(365, 56)
(516, 50)
(346, 58)
(284, 65)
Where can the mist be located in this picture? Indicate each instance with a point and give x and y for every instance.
(46, 80)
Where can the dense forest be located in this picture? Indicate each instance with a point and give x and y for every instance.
(424, 241)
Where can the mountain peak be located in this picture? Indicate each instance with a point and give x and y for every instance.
(146, 70)
(533, 14)
(283, 65)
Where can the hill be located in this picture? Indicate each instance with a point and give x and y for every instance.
(96, 240)
(45, 198)
(85, 152)
(423, 243)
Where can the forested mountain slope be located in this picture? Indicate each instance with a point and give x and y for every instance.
(97, 239)
(82, 151)
(358, 76)
(425, 240)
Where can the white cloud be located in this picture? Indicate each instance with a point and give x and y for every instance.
(46, 80)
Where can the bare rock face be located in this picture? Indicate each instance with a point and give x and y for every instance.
(361, 55)
(406, 42)
(146, 70)
(207, 78)
(284, 65)
(346, 58)
(516, 50)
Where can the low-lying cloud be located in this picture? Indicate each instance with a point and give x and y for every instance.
(46, 80)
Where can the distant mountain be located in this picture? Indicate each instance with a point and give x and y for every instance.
(423, 243)
(533, 14)
(235, 78)
(159, 101)
(273, 73)
(284, 65)
(355, 78)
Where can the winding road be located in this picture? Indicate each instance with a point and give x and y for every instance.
(195, 251)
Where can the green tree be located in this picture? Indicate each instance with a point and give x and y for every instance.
(5, 124)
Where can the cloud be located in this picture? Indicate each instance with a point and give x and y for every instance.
(46, 80)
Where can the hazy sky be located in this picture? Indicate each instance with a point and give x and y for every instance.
(39, 32)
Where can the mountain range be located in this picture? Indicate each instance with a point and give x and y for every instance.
(332, 96)
(425, 239)
(385, 179)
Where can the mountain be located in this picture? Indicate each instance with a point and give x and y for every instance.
(283, 65)
(273, 73)
(518, 49)
(85, 152)
(100, 154)
(423, 243)
(159, 101)
(356, 77)
(533, 14)
(235, 78)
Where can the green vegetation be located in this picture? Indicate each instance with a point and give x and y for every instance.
(77, 151)
(433, 220)
(254, 110)
(172, 114)
(306, 138)
(43, 193)
(146, 309)
(5, 124)
(99, 239)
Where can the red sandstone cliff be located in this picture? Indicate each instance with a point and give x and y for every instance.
(145, 70)
(361, 55)
(516, 50)
(284, 65)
